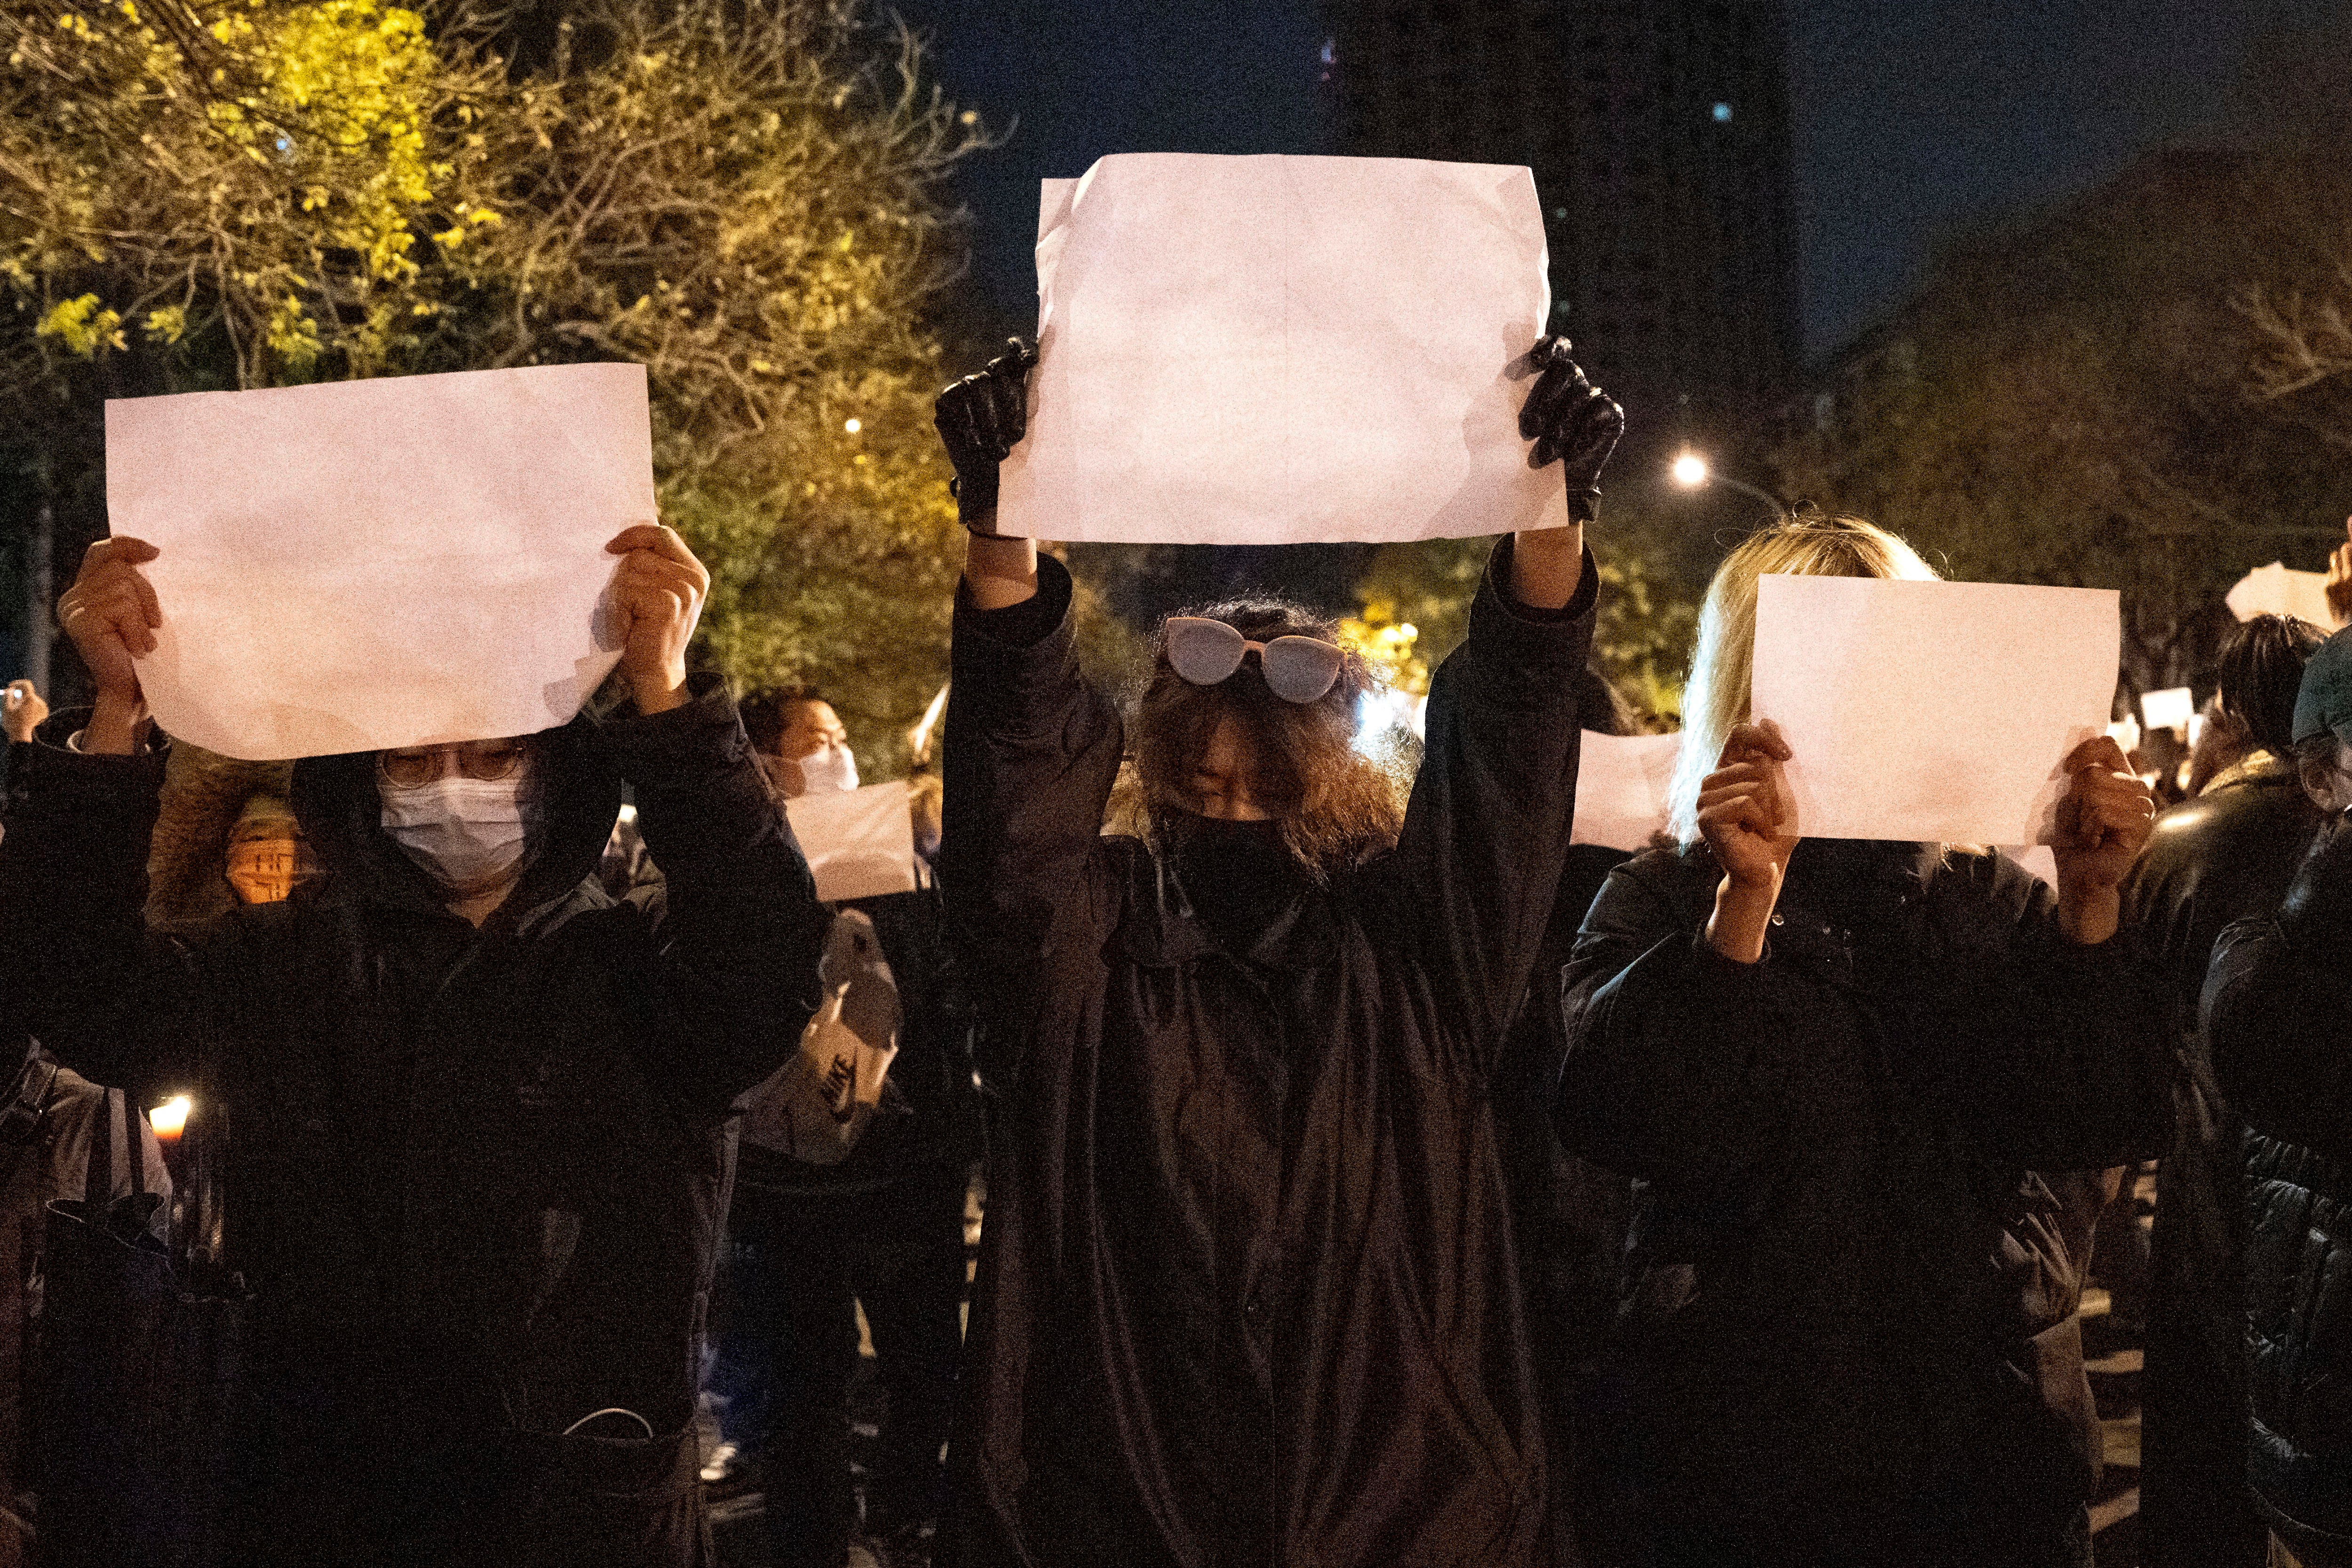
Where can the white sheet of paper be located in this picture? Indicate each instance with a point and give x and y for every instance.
(1932, 711)
(2170, 708)
(1283, 350)
(363, 564)
(860, 843)
(2036, 858)
(1621, 789)
(2280, 590)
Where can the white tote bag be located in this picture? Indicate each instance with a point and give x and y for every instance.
(815, 1106)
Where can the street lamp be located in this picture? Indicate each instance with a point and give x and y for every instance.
(1691, 472)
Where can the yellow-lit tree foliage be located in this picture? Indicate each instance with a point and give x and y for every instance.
(743, 196)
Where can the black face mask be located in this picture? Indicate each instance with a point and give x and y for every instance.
(1238, 876)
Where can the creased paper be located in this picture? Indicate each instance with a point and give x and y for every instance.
(2280, 590)
(1932, 711)
(1281, 350)
(860, 843)
(1621, 789)
(372, 563)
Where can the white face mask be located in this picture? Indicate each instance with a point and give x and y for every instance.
(464, 832)
(828, 767)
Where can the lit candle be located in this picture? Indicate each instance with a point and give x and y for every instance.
(170, 1120)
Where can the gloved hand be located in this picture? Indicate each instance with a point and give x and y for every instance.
(1572, 421)
(981, 418)
(2317, 914)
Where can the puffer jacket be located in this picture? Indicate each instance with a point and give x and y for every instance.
(2278, 1020)
(1824, 1315)
(475, 1176)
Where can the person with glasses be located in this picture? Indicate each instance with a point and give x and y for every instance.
(1246, 1292)
(477, 1111)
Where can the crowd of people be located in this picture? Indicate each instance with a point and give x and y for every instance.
(1371, 1177)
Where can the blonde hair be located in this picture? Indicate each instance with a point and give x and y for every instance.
(1723, 665)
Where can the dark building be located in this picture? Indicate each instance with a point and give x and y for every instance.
(1659, 135)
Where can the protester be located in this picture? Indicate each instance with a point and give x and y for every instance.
(2226, 855)
(1830, 1063)
(1246, 1291)
(2277, 1004)
(478, 1111)
(883, 1229)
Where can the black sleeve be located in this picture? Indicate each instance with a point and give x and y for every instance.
(739, 928)
(1472, 880)
(1683, 1065)
(1032, 752)
(2278, 1020)
(78, 965)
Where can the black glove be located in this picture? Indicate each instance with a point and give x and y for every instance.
(981, 418)
(1571, 420)
(2317, 914)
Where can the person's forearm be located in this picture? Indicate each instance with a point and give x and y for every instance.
(1003, 571)
(2089, 919)
(118, 726)
(1743, 914)
(1547, 566)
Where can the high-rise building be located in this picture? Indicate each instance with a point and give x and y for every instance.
(1659, 134)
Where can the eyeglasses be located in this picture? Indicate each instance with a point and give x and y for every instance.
(412, 767)
(1296, 668)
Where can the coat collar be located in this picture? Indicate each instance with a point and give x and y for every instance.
(1160, 929)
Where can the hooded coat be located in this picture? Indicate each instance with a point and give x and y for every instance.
(1841, 1274)
(475, 1177)
(1246, 1294)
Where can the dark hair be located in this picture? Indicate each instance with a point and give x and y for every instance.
(2257, 673)
(766, 713)
(1335, 805)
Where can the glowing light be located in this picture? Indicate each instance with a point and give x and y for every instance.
(852, 425)
(1722, 114)
(171, 1119)
(1690, 470)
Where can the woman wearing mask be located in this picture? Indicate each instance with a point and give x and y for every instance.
(1832, 1065)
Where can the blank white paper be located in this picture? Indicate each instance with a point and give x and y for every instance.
(1621, 789)
(1932, 711)
(860, 843)
(2170, 708)
(1283, 350)
(2280, 590)
(365, 565)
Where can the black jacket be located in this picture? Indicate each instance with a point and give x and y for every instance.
(2226, 855)
(2278, 1021)
(1246, 1295)
(476, 1176)
(1823, 1318)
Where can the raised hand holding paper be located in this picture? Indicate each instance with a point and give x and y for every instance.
(1931, 712)
(1278, 350)
(359, 566)
(1621, 789)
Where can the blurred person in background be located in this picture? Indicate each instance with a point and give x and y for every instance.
(1833, 1065)
(810, 1244)
(2278, 1026)
(2226, 855)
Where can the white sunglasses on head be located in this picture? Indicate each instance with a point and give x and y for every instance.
(1296, 668)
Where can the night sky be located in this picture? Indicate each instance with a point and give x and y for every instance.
(1916, 119)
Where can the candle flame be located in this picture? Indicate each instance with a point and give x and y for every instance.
(171, 1119)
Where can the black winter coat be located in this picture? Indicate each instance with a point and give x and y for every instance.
(1246, 1295)
(2278, 1021)
(476, 1176)
(2221, 857)
(1824, 1329)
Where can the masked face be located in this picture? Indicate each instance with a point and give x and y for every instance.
(466, 833)
(812, 753)
(263, 869)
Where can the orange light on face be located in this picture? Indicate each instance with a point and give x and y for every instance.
(262, 871)
(171, 1119)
